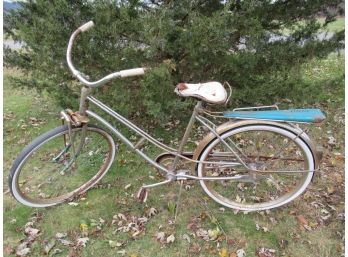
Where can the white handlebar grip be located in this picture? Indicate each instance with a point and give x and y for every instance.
(132, 72)
(86, 26)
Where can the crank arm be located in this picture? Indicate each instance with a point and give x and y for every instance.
(158, 184)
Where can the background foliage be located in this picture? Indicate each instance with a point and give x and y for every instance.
(257, 46)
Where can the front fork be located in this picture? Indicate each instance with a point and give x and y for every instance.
(74, 119)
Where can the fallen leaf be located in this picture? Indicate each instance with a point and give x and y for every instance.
(231, 242)
(127, 186)
(160, 236)
(22, 246)
(302, 220)
(170, 239)
(223, 252)
(264, 252)
(331, 189)
(233, 254)
(23, 252)
(240, 253)
(186, 237)
(84, 229)
(265, 229)
(332, 140)
(192, 226)
(152, 212)
(203, 234)
(73, 204)
(257, 227)
(32, 232)
(122, 252)
(82, 241)
(307, 227)
(340, 157)
(214, 233)
(194, 248)
(49, 245)
(56, 251)
(65, 242)
(60, 235)
(136, 233)
(120, 216)
(29, 224)
(8, 250)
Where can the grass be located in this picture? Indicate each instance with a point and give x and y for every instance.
(325, 78)
(279, 229)
(334, 26)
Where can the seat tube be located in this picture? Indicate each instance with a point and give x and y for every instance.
(186, 134)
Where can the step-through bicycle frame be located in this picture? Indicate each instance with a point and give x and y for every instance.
(87, 98)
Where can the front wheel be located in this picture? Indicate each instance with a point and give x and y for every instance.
(57, 166)
(261, 147)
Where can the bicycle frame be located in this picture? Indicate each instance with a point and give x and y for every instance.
(87, 98)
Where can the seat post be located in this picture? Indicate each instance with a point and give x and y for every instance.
(186, 134)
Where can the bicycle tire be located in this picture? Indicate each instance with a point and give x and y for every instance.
(25, 160)
(234, 198)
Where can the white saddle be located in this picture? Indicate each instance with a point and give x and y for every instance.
(211, 92)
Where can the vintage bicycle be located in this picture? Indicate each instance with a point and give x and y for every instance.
(259, 159)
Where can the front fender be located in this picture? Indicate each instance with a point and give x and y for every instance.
(236, 124)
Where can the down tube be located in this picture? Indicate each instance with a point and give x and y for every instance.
(127, 142)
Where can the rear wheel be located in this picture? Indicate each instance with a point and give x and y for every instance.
(51, 170)
(261, 147)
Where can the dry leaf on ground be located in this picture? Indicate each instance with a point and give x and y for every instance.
(82, 241)
(264, 252)
(170, 239)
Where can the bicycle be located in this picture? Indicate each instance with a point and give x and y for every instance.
(259, 159)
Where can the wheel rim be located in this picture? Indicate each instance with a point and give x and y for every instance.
(39, 181)
(261, 145)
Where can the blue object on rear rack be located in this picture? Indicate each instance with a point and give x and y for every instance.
(294, 115)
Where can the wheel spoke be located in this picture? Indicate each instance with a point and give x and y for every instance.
(277, 173)
(54, 173)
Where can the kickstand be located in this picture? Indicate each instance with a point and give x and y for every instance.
(177, 205)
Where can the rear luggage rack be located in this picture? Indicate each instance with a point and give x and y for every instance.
(292, 115)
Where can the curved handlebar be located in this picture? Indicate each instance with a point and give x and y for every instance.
(86, 26)
(79, 76)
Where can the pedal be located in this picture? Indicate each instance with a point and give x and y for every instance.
(142, 195)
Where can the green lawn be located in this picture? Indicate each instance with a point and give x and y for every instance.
(337, 25)
(321, 208)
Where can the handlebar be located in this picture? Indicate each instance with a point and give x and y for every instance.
(102, 81)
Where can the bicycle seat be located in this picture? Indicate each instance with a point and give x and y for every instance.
(211, 92)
